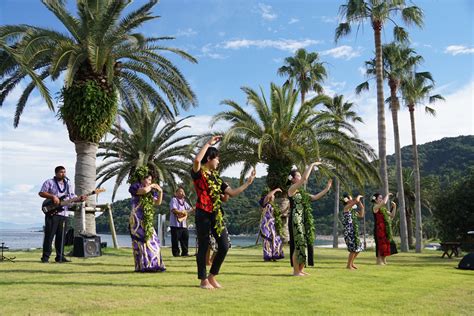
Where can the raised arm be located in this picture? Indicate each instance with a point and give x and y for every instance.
(197, 161)
(393, 210)
(234, 192)
(361, 206)
(304, 178)
(323, 192)
(270, 194)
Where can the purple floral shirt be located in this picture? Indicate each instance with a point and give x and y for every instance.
(180, 205)
(49, 186)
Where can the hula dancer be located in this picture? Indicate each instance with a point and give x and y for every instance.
(272, 244)
(145, 242)
(350, 221)
(209, 217)
(384, 245)
(301, 221)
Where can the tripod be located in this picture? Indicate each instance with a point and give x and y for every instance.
(3, 258)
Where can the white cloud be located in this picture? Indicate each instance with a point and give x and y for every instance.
(283, 44)
(208, 50)
(187, 32)
(329, 19)
(344, 51)
(454, 117)
(362, 71)
(266, 12)
(459, 50)
(293, 21)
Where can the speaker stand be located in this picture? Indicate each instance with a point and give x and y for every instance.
(3, 258)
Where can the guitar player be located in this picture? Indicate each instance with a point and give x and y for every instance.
(55, 189)
(179, 210)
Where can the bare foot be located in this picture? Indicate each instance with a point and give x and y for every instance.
(354, 266)
(350, 268)
(206, 285)
(298, 274)
(213, 282)
(305, 273)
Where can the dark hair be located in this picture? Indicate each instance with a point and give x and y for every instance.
(345, 195)
(211, 153)
(292, 174)
(180, 187)
(374, 197)
(59, 168)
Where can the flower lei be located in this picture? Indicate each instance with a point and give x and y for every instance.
(355, 225)
(308, 216)
(146, 203)
(214, 183)
(388, 222)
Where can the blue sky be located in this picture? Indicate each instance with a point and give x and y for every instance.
(243, 43)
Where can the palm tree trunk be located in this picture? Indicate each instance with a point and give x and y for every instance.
(410, 228)
(398, 162)
(416, 168)
(382, 138)
(84, 180)
(335, 230)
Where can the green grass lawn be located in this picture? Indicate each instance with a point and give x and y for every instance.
(410, 284)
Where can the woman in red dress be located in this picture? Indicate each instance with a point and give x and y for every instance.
(382, 227)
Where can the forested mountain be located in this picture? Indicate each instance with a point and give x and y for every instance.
(444, 160)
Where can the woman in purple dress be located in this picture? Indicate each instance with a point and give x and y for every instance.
(145, 243)
(272, 244)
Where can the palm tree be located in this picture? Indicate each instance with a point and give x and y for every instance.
(341, 112)
(410, 197)
(306, 70)
(103, 59)
(416, 89)
(378, 12)
(280, 135)
(143, 142)
(398, 61)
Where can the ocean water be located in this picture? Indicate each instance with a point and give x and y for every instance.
(28, 239)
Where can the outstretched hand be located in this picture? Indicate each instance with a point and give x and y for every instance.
(252, 176)
(215, 139)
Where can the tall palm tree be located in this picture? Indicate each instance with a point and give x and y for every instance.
(143, 142)
(398, 62)
(378, 12)
(416, 89)
(341, 112)
(306, 70)
(103, 59)
(410, 197)
(280, 135)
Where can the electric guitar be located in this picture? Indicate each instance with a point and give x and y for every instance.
(49, 208)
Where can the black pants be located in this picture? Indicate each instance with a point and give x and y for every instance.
(54, 227)
(205, 223)
(179, 235)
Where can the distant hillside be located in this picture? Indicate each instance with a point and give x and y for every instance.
(446, 158)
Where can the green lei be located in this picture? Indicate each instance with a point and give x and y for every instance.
(355, 225)
(308, 216)
(277, 216)
(215, 193)
(146, 202)
(388, 222)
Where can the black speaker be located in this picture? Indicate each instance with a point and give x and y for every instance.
(467, 262)
(87, 246)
